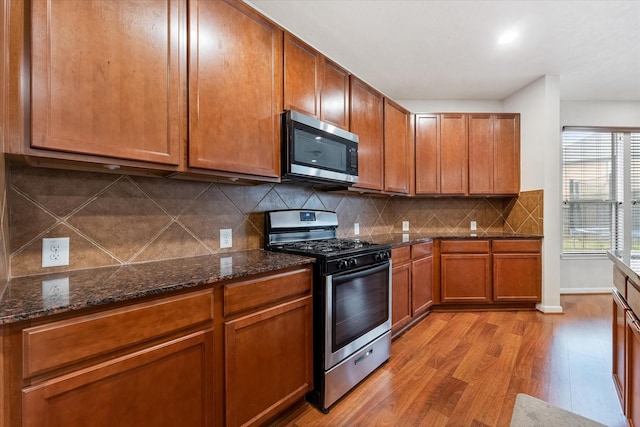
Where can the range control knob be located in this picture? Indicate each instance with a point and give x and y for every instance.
(352, 262)
(342, 264)
(381, 256)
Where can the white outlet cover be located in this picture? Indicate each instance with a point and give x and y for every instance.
(356, 228)
(55, 252)
(405, 225)
(474, 225)
(226, 240)
(55, 292)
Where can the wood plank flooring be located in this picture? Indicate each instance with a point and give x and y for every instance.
(465, 369)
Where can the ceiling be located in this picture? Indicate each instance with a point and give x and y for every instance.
(448, 50)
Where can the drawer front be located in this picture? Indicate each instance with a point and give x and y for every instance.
(633, 298)
(465, 246)
(401, 254)
(251, 294)
(57, 344)
(420, 250)
(620, 282)
(516, 246)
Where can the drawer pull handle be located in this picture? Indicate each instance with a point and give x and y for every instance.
(361, 358)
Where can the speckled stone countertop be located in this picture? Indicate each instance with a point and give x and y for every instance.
(398, 239)
(23, 298)
(629, 264)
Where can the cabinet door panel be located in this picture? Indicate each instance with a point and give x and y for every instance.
(506, 171)
(302, 77)
(367, 121)
(235, 89)
(108, 78)
(396, 148)
(465, 278)
(421, 285)
(517, 277)
(481, 154)
(632, 336)
(166, 385)
(268, 361)
(427, 148)
(453, 154)
(334, 98)
(618, 364)
(400, 296)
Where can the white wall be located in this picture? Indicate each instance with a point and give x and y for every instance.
(579, 275)
(461, 106)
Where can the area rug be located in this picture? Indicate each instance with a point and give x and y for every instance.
(531, 412)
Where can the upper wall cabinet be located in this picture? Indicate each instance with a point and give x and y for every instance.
(396, 148)
(494, 154)
(235, 89)
(367, 121)
(108, 78)
(314, 85)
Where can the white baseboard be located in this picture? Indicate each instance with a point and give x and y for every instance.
(601, 290)
(549, 309)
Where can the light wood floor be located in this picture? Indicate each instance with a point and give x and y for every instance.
(465, 369)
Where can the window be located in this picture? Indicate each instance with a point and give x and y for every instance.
(600, 183)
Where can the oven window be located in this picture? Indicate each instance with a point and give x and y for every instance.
(361, 302)
(320, 152)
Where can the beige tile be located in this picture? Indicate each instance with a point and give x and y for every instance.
(245, 198)
(295, 196)
(122, 220)
(313, 202)
(174, 242)
(60, 191)
(330, 200)
(26, 221)
(173, 195)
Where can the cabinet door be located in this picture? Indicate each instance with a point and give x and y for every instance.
(465, 278)
(367, 121)
(427, 152)
(108, 78)
(481, 154)
(517, 277)
(421, 285)
(453, 153)
(506, 171)
(396, 148)
(632, 336)
(302, 77)
(619, 348)
(169, 384)
(235, 89)
(334, 96)
(400, 297)
(268, 361)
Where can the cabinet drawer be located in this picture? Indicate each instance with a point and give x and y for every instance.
(56, 344)
(633, 298)
(516, 246)
(251, 294)
(420, 250)
(401, 254)
(465, 246)
(620, 282)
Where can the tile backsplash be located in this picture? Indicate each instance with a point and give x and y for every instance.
(118, 219)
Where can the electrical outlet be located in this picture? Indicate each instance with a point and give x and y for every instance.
(405, 225)
(55, 292)
(474, 226)
(55, 252)
(356, 228)
(225, 238)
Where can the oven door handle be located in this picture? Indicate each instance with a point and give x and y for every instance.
(356, 273)
(364, 356)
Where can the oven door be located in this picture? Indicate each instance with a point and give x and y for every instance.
(357, 310)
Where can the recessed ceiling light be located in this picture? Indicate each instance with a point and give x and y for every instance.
(508, 37)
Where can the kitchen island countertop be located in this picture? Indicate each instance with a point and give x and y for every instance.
(399, 239)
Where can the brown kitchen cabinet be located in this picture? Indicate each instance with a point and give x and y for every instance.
(494, 154)
(412, 284)
(119, 366)
(268, 346)
(314, 85)
(107, 81)
(517, 270)
(632, 334)
(427, 153)
(396, 148)
(235, 91)
(619, 345)
(465, 271)
(454, 159)
(367, 121)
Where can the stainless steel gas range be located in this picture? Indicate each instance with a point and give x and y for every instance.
(351, 299)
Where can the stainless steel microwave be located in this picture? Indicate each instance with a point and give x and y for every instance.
(317, 152)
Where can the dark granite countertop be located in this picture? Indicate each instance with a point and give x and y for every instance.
(24, 296)
(629, 264)
(399, 239)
